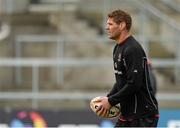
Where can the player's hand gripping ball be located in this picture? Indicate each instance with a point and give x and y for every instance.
(112, 113)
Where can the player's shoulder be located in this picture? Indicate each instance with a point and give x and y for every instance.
(134, 50)
(133, 47)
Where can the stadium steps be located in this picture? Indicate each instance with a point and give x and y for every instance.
(23, 23)
(69, 26)
(89, 78)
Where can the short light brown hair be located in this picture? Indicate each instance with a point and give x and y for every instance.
(121, 16)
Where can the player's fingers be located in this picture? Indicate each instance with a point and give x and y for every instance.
(98, 108)
(100, 113)
(105, 112)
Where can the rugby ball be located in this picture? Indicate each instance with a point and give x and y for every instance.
(113, 112)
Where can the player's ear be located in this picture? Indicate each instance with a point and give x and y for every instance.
(122, 25)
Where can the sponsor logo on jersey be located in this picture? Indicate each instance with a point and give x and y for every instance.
(119, 57)
(118, 72)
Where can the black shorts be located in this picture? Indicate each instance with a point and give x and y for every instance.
(149, 121)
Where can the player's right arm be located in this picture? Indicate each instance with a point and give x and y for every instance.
(114, 88)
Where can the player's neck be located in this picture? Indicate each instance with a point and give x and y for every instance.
(124, 35)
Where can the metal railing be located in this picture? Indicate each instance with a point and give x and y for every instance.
(61, 62)
(36, 63)
(172, 4)
(73, 96)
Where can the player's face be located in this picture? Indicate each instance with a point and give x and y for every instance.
(113, 29)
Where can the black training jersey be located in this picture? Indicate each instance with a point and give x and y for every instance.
(133, 88)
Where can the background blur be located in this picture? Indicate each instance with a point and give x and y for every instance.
(55, 56)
